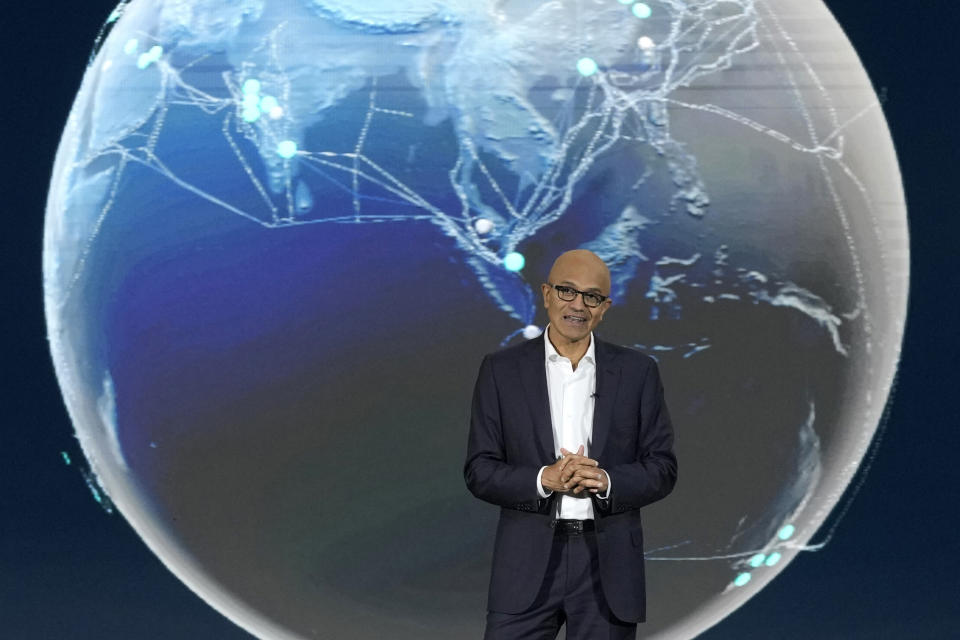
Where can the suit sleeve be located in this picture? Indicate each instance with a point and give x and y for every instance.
(654, 472)
(487, 471)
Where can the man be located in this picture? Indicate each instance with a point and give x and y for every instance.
(570, 436)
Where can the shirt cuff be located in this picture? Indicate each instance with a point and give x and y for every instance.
(606, 495)
(540, 491)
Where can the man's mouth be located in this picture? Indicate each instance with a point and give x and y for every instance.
(575, 319)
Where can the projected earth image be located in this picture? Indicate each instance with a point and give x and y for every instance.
(281, 236)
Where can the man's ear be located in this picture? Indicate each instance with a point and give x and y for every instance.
(606, 307)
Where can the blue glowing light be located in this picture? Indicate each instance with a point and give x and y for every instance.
(251, 114)
(625, 1)
(147, 58)
(641, 10)
(268, 104)
(514, 261)
(251, 86)
(741, 579)
(786, 531)
(773, 559)
(131, 46)
(587, 66)
(757, 560)
(287, 149)
(66, 457)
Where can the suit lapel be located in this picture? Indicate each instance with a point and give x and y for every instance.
(533, 375)
(608, 383)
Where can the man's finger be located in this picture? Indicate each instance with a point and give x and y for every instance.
(580, 460)
(578, 469)
(590, 478)
(575, 466)
(590, 482)
(588, 472)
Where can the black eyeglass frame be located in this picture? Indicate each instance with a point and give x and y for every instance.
(564, 289)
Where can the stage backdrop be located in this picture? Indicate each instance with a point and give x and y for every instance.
(281, 235)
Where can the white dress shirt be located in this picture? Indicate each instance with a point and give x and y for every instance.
(571, 414)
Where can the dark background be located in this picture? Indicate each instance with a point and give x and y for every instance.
(891, 568)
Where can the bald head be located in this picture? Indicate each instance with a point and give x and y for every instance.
(574, 276)
(585, 266)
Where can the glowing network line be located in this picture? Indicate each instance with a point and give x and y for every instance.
(619, 106)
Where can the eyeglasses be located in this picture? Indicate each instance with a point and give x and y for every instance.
(569, 294)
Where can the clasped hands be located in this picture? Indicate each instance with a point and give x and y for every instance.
(574, 473)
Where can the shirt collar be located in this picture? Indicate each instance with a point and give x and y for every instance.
(551, 355)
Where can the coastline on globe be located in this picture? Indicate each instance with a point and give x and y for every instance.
(281, 235)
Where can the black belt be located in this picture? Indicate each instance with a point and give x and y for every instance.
(572, 527)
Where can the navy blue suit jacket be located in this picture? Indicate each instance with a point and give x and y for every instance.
(511, 438)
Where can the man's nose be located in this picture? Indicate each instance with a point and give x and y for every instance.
(577, 303)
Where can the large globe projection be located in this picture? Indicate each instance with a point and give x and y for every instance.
(281, 235)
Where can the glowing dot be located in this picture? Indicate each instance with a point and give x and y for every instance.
(514, 261)
(131, 46)
(276, 112)
(267, 103)
(483, 226)
(586, 66)
(250, 101)
(757, 560)
(741, 579)
(66, 457)
(251, 86)
(641, 10)
(287, 149)
(155, 52)
(645, 43)
(625, 1)
(143, 61)
(114, 15)
(251, 115)
(786, 531)
(531, 331)
(773, 559)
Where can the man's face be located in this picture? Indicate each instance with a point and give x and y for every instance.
(573, 321)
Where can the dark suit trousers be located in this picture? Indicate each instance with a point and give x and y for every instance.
(571, 593)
